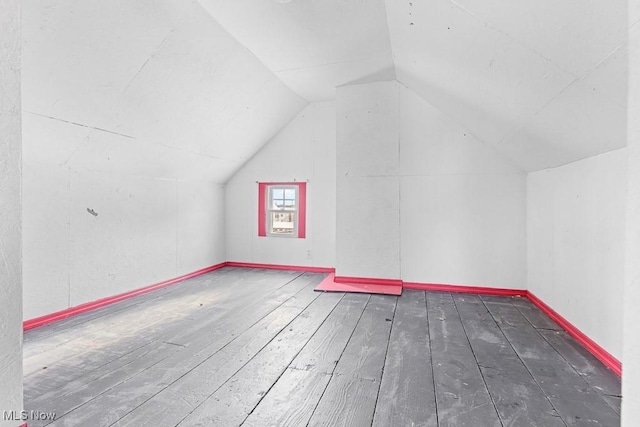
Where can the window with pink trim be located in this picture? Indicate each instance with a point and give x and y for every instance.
(282, 209)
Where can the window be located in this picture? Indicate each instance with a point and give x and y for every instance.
(282, 209)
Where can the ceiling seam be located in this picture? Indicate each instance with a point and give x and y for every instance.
(495, 149)
(393, 56)
(79, 124)
(564, 89)
(155, 52)
(206, 10)
(268, 141)
(510, 37)
(579, 160)
(257, 93)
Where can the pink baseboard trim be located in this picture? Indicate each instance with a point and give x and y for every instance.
(93, 305)
(281, 267)
(594, 348)
(367, 281)
(466, 289)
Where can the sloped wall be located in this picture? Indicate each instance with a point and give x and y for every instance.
(304, 150)
(575, 241)
(91, 233)
(135, 114)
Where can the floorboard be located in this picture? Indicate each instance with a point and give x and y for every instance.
(296, 394)
(407, 396)
(351, 395)
(572, 397)
(184, 395)
(258, 347)
(126, 396)
(105, 339)
(509, 381)
(462, 396)
(232, 403)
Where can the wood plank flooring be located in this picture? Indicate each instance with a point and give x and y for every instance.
(260, 348)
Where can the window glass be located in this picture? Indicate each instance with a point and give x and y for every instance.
(282, 211)
(282, 223)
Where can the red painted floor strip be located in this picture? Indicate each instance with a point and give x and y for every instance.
(94, 305)
(465, 289)
(349, 284)
(330, 285)
(600, 353)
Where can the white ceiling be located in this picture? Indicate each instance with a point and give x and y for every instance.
(206, 83)
(312, 45)
(157, 87)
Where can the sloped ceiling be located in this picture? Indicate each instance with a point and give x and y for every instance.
(544, 82)
(312, 45)
(158, 87)
(205, 83)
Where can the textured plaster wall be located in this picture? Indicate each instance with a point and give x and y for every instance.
(10, 213)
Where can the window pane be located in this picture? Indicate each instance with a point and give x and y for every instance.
(282, 223)
(290, 193)
(290, 204)
(278, 193)
(278, 204)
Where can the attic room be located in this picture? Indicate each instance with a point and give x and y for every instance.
(319, 212)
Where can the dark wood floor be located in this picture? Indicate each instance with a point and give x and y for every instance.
(261, 348)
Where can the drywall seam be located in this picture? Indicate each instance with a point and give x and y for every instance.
(497, 152)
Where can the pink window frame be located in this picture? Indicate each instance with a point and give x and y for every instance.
(302, 208)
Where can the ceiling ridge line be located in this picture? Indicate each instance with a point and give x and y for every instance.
(245, 47)
(261, 90)
(271, 138)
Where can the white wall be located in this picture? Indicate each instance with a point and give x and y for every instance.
(368, 185)
(10, 213)
(575, 235)
(147, 228)
(631, 355)
(462, 204)
(139, 112)
(303, 150)
(420, 198)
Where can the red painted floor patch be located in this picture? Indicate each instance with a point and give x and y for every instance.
(329, 285)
